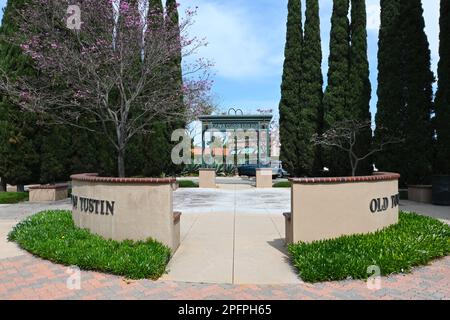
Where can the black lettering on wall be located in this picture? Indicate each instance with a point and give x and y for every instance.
(102, 207)
(382, 204)
(110, 207)
(74, 201)
(91, 206)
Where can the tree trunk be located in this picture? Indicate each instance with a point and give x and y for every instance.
(2, 185)
(121, 146)
(121, 163)
(20, 188)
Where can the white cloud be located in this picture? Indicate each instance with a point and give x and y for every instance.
(373, 15)
(236, 43)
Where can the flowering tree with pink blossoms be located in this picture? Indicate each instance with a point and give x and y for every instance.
(106, 72)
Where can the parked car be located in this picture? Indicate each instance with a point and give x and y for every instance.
(277, 168)
(250, 170)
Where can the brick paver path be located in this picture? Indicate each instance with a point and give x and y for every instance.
(27, 277)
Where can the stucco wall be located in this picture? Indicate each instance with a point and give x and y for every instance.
(48, 193)
(325, 210)
(142, 210)
(264, 178)
(207, 178)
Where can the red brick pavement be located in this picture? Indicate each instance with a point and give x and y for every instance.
(27, 277)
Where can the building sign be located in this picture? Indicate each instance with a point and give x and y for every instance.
(93, 206)
(235, 125)
(383, 204)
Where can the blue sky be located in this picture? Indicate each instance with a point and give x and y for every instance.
(246, 42)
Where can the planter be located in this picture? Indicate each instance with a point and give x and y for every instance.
(327, 208)
(264, 178)
(441, 190)
(207, 178)
(420, 193)
(126, 208)
(48, 193)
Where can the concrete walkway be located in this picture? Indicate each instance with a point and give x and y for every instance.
(232, 248)
(233, 234)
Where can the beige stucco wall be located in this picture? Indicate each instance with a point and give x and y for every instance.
(420, 193)
(10, 188)
(207, 178)
(45, 195)
(141, 211)
(330, 210)
(264, 178)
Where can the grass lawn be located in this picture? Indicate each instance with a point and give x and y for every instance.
(414, 241)
(52, 235)
(13, 197)
(187, 184)
(283, 184)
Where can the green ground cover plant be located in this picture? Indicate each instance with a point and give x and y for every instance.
(52, 235)
(414, 241)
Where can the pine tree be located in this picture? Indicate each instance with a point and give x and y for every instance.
(443, 94)
(405, 90)
(289, 107)
(360, 90)
(311, 94)
(335, 101)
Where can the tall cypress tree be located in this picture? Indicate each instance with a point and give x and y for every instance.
(360, 90)
(175, 70)
(390, 107)
(405, 90)
(289, 107)
(335, 101)
(311, 94)
(417, 92)
(443, 93)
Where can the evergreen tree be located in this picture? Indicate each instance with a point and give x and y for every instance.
(289, 107)
(311, 94)
(175, 70)
(443, 94)
(405, 90)
(417, 91)
(390, 108)
(175, 82)
(335, 101)
(19, 158)
(360, 90)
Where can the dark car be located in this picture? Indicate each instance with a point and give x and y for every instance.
(250, 170)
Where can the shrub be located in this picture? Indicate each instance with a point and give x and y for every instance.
(13, 197)
(414, 241)
(282, 184)
(187, 184)
(52, 235)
